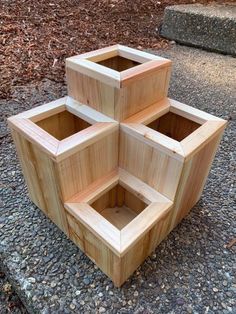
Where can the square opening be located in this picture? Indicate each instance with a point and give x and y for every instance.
(174, 126)
(118, 63)
(119, 206)
(63, 125)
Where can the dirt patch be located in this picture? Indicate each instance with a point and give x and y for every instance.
(37, 36)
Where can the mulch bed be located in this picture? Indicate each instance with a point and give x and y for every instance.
(37, 36)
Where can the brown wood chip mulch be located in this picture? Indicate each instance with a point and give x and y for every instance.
(37, 36)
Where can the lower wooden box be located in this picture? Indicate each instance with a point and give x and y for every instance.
(58, 145)
(118, 221)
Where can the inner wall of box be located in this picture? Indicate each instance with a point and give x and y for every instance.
(63, 125)
(118, 63)
(174, 126)
(119, 206)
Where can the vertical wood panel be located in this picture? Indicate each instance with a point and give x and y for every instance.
(41, 177)
(193, 178)
(82, 168)
(155, 168)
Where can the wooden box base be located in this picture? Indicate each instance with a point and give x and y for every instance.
(116, 187)
(118, 221)
(116, 190)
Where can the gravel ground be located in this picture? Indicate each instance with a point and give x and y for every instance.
(192, 271)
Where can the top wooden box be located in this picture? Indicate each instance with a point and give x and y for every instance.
(118, 81)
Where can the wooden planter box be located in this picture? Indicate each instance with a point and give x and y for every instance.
(117, 80)
(118, 221)
(59, 148)
(119, 178)
(179, 142)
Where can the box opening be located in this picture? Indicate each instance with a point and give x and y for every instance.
(174, 126)
(119, 206)
(119, 63)
(63, 124)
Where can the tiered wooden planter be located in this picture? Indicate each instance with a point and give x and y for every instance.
(116, 164)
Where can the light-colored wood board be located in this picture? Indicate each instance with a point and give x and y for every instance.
(137, 55)
(191, 113)
(35, 135)
(142, 223)
(200, 137)
(41, 177)
(139, 188)
(140, 94)
(96, 224)
(96, 250)
(81, 169)
(142, 71)
(85, 112)
(150, 113)
(98, 55)
(119, 216)
(96, 71)
(97, 188)
(91, 92)
(85, 138)
(154, 139)
(43, 111)
(143, 248)
(193, 178)
(149, 164)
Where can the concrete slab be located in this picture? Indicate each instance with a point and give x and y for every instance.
(212, 27)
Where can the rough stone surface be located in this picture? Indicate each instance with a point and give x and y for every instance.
(212, 27)
(9, 300)
(192, 271)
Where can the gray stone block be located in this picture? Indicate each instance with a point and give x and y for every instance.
(211, 27)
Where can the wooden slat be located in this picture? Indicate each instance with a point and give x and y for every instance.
(98, 55)
(193, 178)
(35, 135)
(191, 113)
(96, 189)
(142, 223)
(139, 188)
(150, 113)
(142, 93)
(150, 164)
(91, 92)
(44, 111)
(195, 141)
(98, 225)
(85, 112)
(83, 139)
(154, 139)
(42, 180)
(142, 71)
(96, 71)
(137, 55)
(85, 166)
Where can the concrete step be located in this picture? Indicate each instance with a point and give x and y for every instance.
(211, 27)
